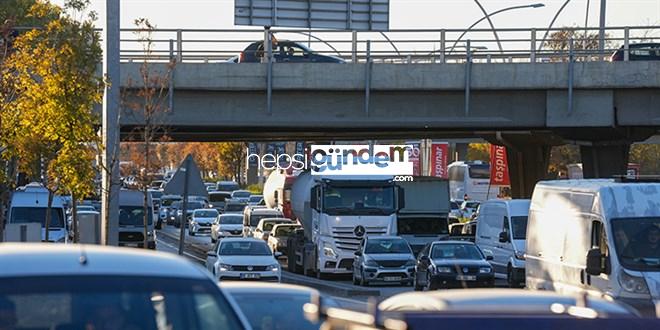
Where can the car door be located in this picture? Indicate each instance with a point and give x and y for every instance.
(500, 251)
(212, 257)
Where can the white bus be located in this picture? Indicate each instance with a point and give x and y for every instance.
(471, 178)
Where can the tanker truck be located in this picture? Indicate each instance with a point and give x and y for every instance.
(277, 191)
(336, 212)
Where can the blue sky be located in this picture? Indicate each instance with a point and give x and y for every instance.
(218, 14)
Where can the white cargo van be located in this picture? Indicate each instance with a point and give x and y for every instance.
(599, 237)
(29, 204)
(501, 229)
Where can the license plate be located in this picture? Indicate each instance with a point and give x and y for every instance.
(131, 244)
(466, 278)
(249, 276)
(392, 278)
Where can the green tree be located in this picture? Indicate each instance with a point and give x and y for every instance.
(54, 71)
(479, 151)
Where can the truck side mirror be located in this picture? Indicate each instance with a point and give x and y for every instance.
(401, 198)
(594, 262)
(313, 201)
(504, 237)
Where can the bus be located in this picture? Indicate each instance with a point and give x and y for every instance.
(471, 179)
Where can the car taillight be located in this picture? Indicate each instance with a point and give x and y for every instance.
(241, 58)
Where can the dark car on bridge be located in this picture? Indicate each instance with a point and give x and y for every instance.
(285, 51)
(639, 52)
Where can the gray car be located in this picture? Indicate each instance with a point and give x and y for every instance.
(384, 259)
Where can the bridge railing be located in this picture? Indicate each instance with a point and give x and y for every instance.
(401, 46)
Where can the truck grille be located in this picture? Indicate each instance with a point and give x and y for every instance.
(345, 238)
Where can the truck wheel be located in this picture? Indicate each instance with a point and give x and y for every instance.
(509, 278)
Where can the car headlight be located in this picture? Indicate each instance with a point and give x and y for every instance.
(225, 268)
(274, 267)
(443, 269)
(520, 255)
(633, 284)
(370, 262)
(484, 270)
(411, 263)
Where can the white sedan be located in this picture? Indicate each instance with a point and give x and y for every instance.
(201, 221)
(243, 259)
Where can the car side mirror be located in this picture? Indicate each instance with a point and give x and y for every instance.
(594, 262)
(489, 258)
(504, 237)
(211, 254)
(278, 255)
(358, 253)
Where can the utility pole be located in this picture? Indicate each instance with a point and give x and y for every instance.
(110, 131)
(601, 32)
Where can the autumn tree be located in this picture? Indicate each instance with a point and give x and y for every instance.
(149, 107)
(231, 156)
(559, 42)
(479, 151)
(53, 126)
(647, 156)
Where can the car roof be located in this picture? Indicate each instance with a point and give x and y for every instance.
(210, 210)
(275, 219)
(222, 215)
(493, 300)
(39, 259)
(270, 288)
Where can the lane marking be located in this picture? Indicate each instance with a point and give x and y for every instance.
(184, 252)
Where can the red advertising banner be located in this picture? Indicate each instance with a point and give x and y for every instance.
(499, 166)
(439, 158)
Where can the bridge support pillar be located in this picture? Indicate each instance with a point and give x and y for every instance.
(604, 161)
(528, 164)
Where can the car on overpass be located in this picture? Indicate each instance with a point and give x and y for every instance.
(285, 51)
(99, 287)
(638, 52)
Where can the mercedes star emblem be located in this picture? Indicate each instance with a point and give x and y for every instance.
(359, 231)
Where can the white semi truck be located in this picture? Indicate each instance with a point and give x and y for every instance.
(336, 212)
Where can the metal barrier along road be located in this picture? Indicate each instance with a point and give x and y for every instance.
(399, 46)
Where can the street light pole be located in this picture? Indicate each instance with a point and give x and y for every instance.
(492, 26)
(110, 130)
(545, 36)
(535, 5)
(601, 31)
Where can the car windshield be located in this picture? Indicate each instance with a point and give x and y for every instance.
(255, 218)
(255, 199)
(455, 251)
(133, 216)
(231, 219)
(479, 171)
(268, 226)
(240, 194)
(218, 197)
(206, 213)
(358, 200)
(234, 207)
(37, 214)
(285, 230)
(266, 311)
(168, 201)
(637, 242)
(114, 302)
(228, 186)
(156, 194)
(387, 246)
(244, 248)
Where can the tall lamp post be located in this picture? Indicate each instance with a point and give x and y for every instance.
(545, 36)
(487, 16)
(110, 130)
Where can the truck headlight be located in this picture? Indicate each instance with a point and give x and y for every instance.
(274, 267)
(329, 252)
(484, 270)
(225, 268)
(520, 255)
(633, 284)
(443, 269)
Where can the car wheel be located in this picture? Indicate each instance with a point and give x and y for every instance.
(509, 278)
(430, 286)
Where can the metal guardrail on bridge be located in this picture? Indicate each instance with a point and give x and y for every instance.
(399, 46)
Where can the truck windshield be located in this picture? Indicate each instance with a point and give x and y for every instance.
(479, 171)
(519, 227)
(133, 216)
(637, 242)
(37, 214)
(358, 200)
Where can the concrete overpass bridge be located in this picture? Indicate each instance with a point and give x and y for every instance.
(525, 105)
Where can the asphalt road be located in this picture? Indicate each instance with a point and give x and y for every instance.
(340, 288)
